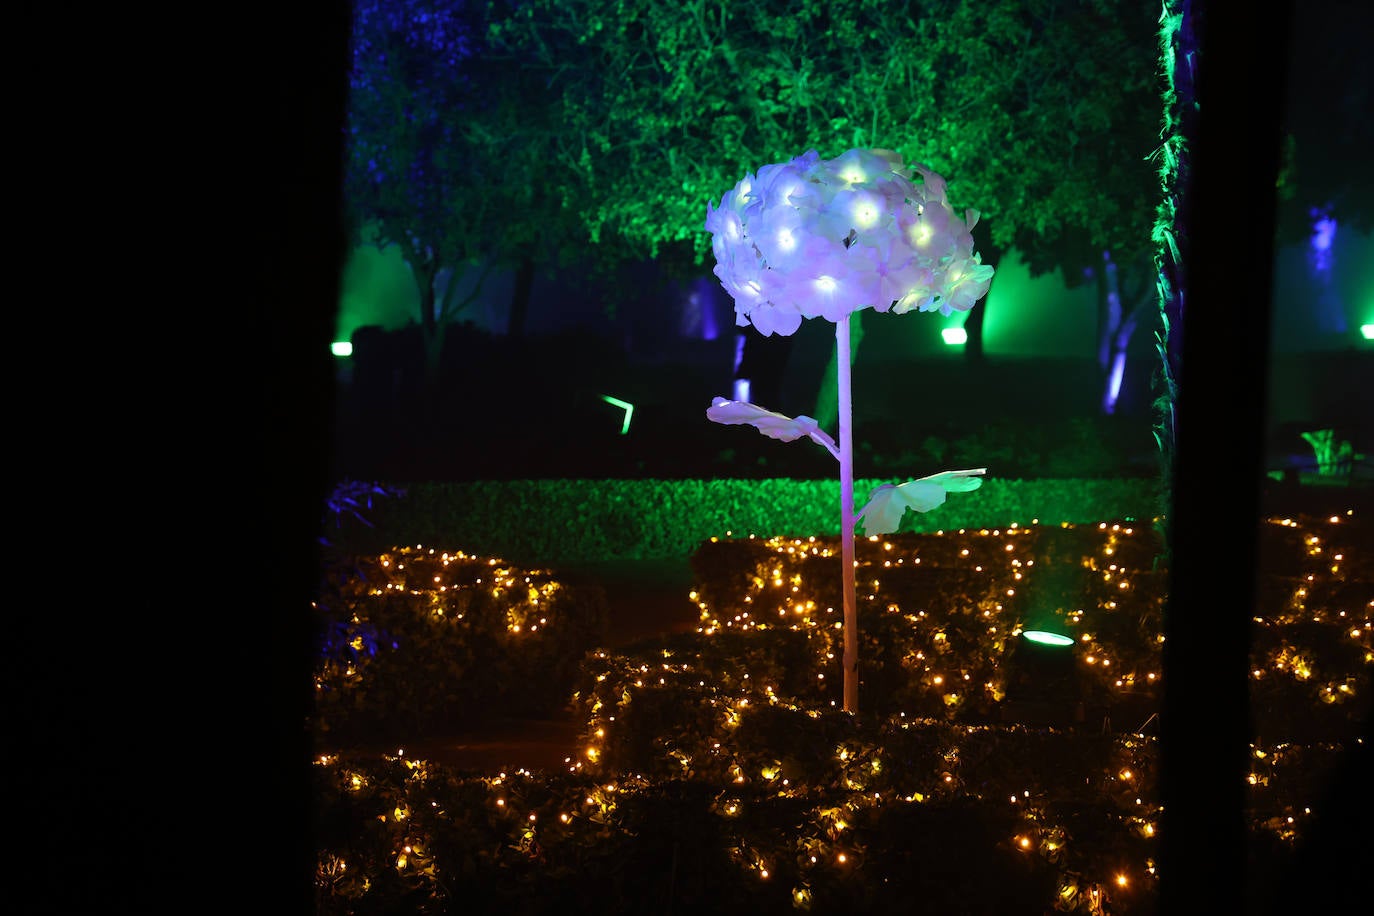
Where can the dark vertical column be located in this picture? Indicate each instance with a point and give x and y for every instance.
(1218, 455)
(292, 387)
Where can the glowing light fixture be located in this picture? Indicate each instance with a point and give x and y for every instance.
(341, 348)
(623, 405)
(1367, 331)
(1046, 638)
(954, 336)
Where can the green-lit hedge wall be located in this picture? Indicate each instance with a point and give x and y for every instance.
(543, 522)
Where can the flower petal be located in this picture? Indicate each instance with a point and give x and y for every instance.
(814, 238)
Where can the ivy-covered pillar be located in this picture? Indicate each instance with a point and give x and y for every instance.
(1223, 115)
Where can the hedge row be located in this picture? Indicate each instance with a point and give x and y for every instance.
(937, 618)
(418, 641)
(538, 522)
(717, 775)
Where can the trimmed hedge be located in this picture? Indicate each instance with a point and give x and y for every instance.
(718, 775)
(416, 641)
(936, 618)
(551, 522)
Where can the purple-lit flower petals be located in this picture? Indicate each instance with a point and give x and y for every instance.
(814, 238)
(772, 321)
(968, 282)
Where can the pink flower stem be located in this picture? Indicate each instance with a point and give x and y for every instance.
(851, 613)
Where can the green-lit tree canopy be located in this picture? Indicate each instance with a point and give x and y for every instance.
(1042, 114)
(507, 134)
(447, 151)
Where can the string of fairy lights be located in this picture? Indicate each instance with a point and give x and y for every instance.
(418, 571)
(737, 715)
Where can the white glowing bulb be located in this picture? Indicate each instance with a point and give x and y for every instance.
(865, 214)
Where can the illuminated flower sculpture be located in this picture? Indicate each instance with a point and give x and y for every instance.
(823, 238)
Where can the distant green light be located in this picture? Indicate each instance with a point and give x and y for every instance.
(623, 405)
(341, 348)
(1367, 330)
(1046, 638)
(954, 336)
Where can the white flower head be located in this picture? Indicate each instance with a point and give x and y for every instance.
(817, 238)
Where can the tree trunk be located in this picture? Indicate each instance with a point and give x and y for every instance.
(431, 328)
(973, 327)
(520, 298)
(1114, 333)
(1108, 309)
(1122, 300)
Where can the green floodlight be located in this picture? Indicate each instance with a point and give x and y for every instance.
(341, 348)
(1367, 331)
(1046, 638)
(623, 405)
(954, 336)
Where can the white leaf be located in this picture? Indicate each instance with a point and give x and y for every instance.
(773, 425)
(886, 505)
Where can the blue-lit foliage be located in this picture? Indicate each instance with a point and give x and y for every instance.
(350, 500)
(410, 93)
(406, 84)
(446, 152)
